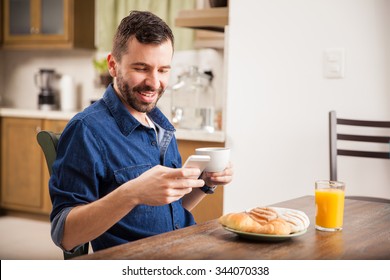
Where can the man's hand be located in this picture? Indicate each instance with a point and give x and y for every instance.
(219, 178)
(162, 185)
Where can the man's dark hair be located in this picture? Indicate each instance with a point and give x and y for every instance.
(146, 27)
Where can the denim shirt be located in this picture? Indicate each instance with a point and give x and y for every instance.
(102, 148)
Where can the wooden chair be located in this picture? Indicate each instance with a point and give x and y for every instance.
(48, 141)
(334, 151)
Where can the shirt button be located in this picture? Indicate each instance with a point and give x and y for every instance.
(154, 143)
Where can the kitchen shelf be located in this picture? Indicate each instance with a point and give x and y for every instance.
(209, 39)
(211, 19)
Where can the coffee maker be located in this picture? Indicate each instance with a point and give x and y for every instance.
(44, 80)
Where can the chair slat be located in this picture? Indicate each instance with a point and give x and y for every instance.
(383, 124)
(366, 154)
(363, 138)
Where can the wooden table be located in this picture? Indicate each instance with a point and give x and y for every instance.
(365, 235)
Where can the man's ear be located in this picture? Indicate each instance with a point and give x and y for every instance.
(111, 65)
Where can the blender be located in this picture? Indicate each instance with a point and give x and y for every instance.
(44, 80)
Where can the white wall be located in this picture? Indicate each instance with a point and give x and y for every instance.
(278, 99)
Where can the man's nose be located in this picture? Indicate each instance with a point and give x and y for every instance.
(153, 81)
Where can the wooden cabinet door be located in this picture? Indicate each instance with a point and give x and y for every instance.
(54, 126)
(21, 166)
(1, 20)
(41, 21)
(211, 207)
(54, 24)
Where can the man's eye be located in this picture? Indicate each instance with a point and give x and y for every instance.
(164, 70)
(140, 69)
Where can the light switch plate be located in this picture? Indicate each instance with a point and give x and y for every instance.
(334, 63)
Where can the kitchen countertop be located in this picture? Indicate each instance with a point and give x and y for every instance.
(36, 114)
(181, 134)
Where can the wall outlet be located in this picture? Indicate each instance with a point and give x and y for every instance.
(334, 63)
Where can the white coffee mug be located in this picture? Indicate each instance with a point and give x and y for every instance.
(219, 158)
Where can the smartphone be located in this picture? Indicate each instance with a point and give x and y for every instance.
(197, 161)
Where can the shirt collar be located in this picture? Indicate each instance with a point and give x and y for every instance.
(125, 121)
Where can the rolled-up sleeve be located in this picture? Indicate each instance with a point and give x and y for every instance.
(58, 226)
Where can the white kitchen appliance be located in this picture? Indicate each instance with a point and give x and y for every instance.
(68, 98)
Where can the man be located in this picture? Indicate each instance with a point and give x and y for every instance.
(117, 176)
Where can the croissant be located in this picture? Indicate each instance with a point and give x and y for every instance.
(267, 220)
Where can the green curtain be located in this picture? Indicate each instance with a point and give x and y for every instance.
(109, 13)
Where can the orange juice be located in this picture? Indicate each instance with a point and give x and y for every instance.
(329, 208)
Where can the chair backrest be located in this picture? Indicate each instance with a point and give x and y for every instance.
(334, 137)
(48, 141)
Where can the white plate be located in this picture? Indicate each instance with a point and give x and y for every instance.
(264, 237)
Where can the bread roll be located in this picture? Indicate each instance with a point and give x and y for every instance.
(298, 220)
(267, 220)
(240, 221)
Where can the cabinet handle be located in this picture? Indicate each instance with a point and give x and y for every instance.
(34, 30)
(38, 129)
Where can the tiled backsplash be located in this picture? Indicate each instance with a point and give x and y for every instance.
(18, 68)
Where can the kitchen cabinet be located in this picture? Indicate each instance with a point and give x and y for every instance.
(48, 24)
(211, 207)
(1, 21)
(24, 174)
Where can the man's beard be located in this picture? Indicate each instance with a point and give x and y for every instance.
(129, 95)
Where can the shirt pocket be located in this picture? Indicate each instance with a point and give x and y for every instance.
(129, 173)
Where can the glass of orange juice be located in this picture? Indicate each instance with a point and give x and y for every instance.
(329, 197)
